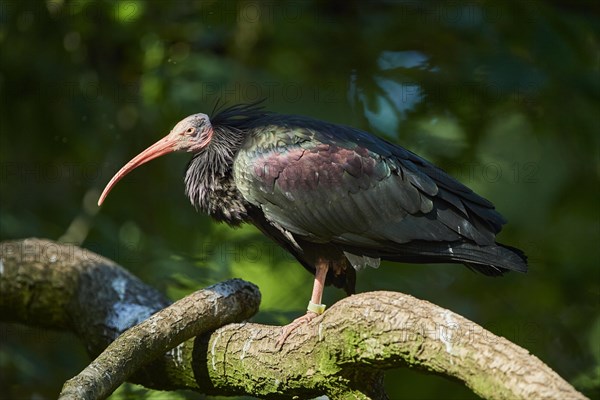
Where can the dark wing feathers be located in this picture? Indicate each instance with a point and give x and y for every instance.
(334, 183)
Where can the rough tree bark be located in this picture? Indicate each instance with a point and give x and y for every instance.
(342, 353)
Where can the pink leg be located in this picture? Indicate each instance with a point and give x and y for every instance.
(317, 294)
(319, 283)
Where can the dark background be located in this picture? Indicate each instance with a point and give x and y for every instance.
(503, 95)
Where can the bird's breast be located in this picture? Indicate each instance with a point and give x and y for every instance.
(215, 193)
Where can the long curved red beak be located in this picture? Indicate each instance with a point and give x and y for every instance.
(163, 146)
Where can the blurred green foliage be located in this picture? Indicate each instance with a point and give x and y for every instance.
(504, 95)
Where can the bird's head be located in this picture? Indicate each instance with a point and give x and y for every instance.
(191, 134)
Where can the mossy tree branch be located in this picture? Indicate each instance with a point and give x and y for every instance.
(342, 353)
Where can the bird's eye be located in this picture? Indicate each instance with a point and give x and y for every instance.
(190, 130)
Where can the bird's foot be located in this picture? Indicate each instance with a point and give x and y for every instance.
(313, 311)
(292, 326)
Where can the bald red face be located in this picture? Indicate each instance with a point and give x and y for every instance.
(191, 134)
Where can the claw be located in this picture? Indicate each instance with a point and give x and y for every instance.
(292, 326)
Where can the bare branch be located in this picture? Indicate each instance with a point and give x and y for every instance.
(341, 353)
(202, 311)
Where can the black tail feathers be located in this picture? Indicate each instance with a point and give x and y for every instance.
(496, 260)
(492, 260)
